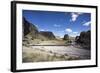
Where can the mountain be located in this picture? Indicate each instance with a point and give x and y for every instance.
(84, 39)
(30, 31)
(29, 28)
(48, 34)
(66, 37)
(58, 37)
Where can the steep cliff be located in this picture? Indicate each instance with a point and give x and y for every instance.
(84, 39)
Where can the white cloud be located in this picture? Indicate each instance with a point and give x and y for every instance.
(55, 25)
(87, 23)
(68, 30)
(75, 32)
(75, 16)
(71, 32)
(42, 30)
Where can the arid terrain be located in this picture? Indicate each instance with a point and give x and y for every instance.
(41, 46)
(62, 52)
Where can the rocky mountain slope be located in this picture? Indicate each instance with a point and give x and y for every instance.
(84, 39)
(48, 34)
(30, 31)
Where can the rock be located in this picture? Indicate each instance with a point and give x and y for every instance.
(30, 32)
(84, 39)
(66, 37)
(48, 34)
(29, 28)
(77, 39)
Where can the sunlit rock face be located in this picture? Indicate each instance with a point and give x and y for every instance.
(47, 34)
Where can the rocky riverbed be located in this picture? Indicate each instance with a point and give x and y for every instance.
(43, 52)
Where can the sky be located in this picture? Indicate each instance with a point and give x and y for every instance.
(60, 23)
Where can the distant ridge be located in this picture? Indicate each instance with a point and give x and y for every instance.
(47, 34)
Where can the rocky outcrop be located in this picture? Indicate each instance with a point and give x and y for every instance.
(77, 39)
(66, 37)
(30, 31)
(29, 28)
(84, 39)
(47, 34)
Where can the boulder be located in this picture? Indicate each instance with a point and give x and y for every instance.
(66, 37)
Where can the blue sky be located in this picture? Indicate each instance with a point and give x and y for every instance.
(59, 23)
